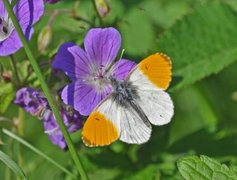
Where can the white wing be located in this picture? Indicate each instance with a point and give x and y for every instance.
(150, 78)
(157, 105)
(133, 128)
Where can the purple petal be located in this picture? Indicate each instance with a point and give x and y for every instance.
(73, 122)
(10, 45)
(56, 138)
(2, 9)
(82, 97)
(28, 12)
(30, 100)
(72, 60)
(121, 69)
(102, 45)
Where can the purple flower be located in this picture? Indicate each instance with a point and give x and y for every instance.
(28, 12)
(36, 104)
(90, 69)
(31, 100)
(72, 122)
(51, 1)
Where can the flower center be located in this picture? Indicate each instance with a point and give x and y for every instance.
(6, 28)
(99, 79)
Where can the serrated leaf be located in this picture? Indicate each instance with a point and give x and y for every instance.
(204, 168)
(12, 165)
(202, 43)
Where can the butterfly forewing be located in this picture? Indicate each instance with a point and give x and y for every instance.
(103, 125)
(151, 76)
(153, 72)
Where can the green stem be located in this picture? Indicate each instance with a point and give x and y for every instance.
(98, 13)
(47, 93)
(20, 128)
(13, 62)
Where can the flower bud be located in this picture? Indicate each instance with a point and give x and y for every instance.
(44, 38)
(102, 7)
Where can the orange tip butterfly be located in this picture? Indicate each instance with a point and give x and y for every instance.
(135, 104)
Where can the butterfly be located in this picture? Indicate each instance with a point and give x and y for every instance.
(135, 103)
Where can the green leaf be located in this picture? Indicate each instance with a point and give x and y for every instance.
(137, 33)
(196, 114)
(12, 165)
(6, 96)
(202, 43)
(193, 167)
(149, 172)
(167, 12)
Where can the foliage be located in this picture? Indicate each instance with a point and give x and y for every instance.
(11, 164)
(199, 36)
(204, 167)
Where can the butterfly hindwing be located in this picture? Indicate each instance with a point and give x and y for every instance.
(157, 105)
(134, 130)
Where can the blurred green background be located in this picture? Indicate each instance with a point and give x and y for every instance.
(200, 36)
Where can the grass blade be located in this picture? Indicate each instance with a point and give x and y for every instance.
(12, 165)
(37, 151)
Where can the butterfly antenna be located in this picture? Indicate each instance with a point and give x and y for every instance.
(121, 55)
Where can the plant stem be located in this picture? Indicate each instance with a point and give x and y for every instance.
(20, 128)
(13, 62)
(98, 13)
(47, 93)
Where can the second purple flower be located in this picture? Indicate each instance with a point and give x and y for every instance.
(91, 68)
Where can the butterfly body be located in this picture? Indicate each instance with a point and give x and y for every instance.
(135, 104)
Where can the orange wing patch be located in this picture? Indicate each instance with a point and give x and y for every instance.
(99, 131)
(157, 68)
